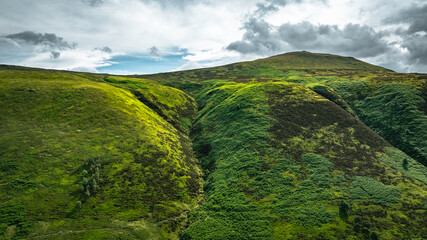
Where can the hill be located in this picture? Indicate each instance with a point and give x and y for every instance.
(85, 159)
(295, 146)
(317, 61)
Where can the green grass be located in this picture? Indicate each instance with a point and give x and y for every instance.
(263, 179)
(393, 112)
(396, 159)
(159, 98)
(278, 142)
(54, 124)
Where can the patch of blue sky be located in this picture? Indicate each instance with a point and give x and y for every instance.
(143, 64)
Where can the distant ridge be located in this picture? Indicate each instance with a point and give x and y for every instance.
(301, 60)
(318, 61)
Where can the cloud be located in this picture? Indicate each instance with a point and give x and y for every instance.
(49, 40)
(270, 6)
(415, 16)
(414, 36)
(262, 38)
(47, 50)
(94, 3)
(104, 49)
(417, 47)
(264, 8)
(154, 51)
(205, 28)
(259, 38)
(55, 55)
(16, 48)
(356, 40)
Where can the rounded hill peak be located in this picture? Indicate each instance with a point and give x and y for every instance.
(318, 61)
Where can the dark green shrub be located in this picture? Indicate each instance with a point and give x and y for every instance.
(78, 204)
(90, 186)
(405, 164)
(343, 209)
(87, 193)
(8, 165)
(362, 225)
(85, 181)
(374, 236)
(93, 185)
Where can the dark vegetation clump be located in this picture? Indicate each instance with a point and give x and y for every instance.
(405, 164)
(344, 209)
(13, 213)
(90, 178)
(8, 165)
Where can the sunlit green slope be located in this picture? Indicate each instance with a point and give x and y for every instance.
(358, 87)
(282, 162)
(286, 156)
(86, 160)
(295, 146)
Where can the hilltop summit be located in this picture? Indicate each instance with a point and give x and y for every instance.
(318, 61)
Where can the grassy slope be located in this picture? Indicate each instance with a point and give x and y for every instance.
(57, 128)
(280, 160)
(344, 80)
(258, 184)
(278, 139)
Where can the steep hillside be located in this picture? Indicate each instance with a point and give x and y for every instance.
(344, 80)
(282, 162)
(295, 146)
(82, 159)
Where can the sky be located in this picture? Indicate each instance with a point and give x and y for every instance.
(151, 36)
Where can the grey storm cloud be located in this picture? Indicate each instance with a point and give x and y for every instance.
(417, 47)
(154, 51)
(49, 40)
(20, 46)
(354, 39)
(55, 55)
(104, 49)
(413, 38)
(94, 3)
(259, 38)
(415, 16)
(263, 8)
(269, 6)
